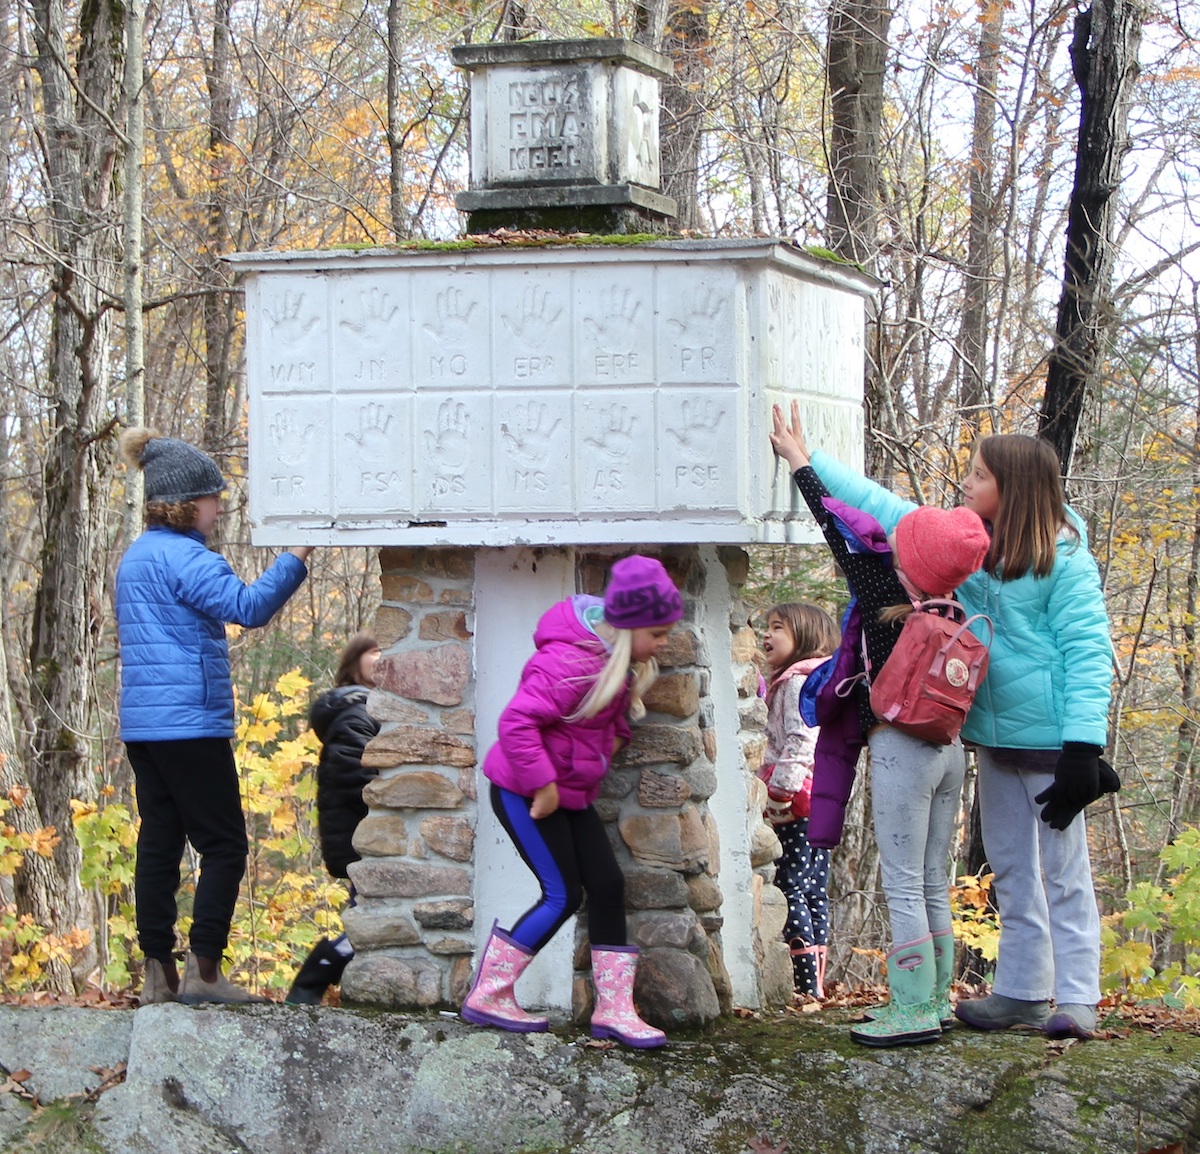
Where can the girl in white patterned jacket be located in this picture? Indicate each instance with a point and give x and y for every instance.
(798, 638)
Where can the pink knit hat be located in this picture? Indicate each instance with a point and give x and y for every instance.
(640, 595)
(938, 549)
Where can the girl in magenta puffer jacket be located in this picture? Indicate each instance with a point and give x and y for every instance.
(556, 739)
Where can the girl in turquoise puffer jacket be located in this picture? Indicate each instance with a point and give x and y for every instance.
(1039, 724)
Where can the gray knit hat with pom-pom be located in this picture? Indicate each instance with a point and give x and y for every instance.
(174, 470)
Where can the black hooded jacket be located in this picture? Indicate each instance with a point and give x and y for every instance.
(339, 718)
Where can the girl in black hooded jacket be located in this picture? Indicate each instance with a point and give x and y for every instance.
(340, 720)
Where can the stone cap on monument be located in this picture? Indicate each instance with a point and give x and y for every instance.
(564, 123)
(571, 393)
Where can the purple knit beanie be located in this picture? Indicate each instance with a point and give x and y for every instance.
(640, 595)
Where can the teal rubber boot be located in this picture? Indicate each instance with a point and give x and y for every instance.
(943, 967)
(910, 1017)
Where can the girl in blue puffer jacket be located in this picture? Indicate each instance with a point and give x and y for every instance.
(1039, 724)
(174, 597)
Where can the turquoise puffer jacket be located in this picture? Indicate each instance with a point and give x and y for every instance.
(174, 596)
(1049, 677)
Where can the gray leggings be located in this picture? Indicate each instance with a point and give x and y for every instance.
(916, 790)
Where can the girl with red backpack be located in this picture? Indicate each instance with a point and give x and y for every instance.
(915, 784)
(1039, 725)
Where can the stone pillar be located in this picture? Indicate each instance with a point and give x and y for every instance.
(412, 926)
(655, 801)
(768, 905)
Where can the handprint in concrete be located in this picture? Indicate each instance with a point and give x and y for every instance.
(614, 442)
(533, 325)
(447, 445)
(528, 438)
(290, 436)
(375, 318)
(702, 308)
(616, 328)
(454, 312)
(371, 439)
(287, 325)
(698, 434)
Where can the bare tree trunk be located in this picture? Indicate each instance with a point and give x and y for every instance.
(135, 349)
(854, 66)
(973, 335)
(683, 102)
(856, 54)
(80, 158)
(218, 307)
(401, 224)
(1104, 56)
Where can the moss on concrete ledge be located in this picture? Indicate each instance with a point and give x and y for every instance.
(272, 1079)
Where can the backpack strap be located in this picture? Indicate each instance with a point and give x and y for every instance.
(939, 660)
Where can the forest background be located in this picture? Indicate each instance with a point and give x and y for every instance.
(1018, 174)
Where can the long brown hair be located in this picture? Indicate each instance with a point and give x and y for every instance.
(1032, 507)
(813, 630)
(347, 670)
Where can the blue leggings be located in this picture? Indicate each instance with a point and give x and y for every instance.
(569, 854)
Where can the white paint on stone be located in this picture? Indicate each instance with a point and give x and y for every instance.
(728, 803)
(513, 588)
(563, 395)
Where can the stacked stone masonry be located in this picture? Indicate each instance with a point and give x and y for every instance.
(413, 926)
(770, 905)
(413, 923)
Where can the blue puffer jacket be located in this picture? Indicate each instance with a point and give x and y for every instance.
(1049, 677)
(174, 596)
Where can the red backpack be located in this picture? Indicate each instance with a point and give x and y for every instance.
(928, 682)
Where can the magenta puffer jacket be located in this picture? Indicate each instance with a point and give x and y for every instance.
(536, 744)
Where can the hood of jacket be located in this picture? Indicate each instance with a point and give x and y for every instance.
(325, 709)
(561, 624)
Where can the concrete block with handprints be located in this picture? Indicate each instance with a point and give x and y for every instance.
(574, 394)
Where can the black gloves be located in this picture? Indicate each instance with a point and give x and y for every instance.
(1080, 777)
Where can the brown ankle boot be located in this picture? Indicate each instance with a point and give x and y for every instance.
(156, 985)
(194, 990)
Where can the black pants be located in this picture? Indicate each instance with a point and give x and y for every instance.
(187, 791)
(570, 854)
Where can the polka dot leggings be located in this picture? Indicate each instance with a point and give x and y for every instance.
(802, 873)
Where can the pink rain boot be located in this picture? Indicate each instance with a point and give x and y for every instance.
(613, 970)
(491, 1001)
(811, 973)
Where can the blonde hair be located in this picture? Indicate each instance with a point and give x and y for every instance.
(614, 677)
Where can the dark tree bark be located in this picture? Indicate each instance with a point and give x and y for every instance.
(973, 335)
(856, 56)
(80, 157)
(218, 301)
(1104, 58)
(686, 41)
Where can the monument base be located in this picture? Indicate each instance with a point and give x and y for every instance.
(595, 209)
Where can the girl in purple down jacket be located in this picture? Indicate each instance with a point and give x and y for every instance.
(556, 739)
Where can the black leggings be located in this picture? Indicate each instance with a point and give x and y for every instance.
(569, 853)
(187, 791)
